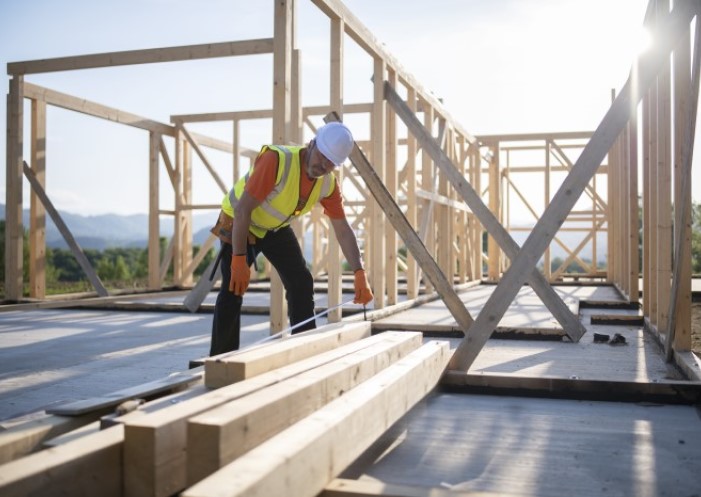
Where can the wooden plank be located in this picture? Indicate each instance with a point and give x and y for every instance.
(113, 399)
(14, 230)
(219, 436)
(569, 321)
(306, 457)
(376, 222)
(443, 200)
(450, 331)
(193, 300)
(155, 451)
(37, 213)
(567, 195)
(617, 320)
(661, 391)
(333, 266)
(147, 56)
(24, 438)
(411, 239)
(679, 315)
(341, 487)
(563, 135)
(76, 104)
(70, 436)
(389, 267)
(231, 367)
(607, 304)
(282, 115)
(66, 233)
(91, 465)
(494, 264)
(412, 271)
(244, 115)
(154, 233)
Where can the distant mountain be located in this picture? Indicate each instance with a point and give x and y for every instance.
(114, 230)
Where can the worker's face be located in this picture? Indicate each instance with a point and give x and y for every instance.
(317, 164)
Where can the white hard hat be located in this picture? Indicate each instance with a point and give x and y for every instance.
(335, 142)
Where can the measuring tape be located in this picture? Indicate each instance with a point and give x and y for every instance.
(287, 331)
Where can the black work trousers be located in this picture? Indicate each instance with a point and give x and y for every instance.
(284, 253)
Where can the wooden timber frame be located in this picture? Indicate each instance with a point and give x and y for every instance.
(427, 198)
(601, 165)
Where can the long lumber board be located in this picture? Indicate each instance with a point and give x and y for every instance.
(341, 487)
(226, 369)
(155, 450)
(219, 436)
(91, 465)
(151, 389)
(305, 458)
(27, 437)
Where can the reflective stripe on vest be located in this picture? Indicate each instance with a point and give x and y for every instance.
(281, 204)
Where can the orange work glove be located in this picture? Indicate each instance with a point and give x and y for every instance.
(240, 275)
(363, 294)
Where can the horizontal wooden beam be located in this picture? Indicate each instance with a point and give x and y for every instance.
(664, 391)
(342, 487)
(563, 135)
(69, 102)
(219, 436)
(443, 200)
(147, 56)
(243, 115)
(306, 457)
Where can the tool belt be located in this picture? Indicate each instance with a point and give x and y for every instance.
(222, 229)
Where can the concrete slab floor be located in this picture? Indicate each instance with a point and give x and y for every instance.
(52, 356)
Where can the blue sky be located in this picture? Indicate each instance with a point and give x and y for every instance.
(501, 66)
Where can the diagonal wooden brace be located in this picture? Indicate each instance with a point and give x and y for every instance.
(65, 232)
(644, 74)
(570, 323)
(413, 243)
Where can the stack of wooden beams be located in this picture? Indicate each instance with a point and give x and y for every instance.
(284, 418)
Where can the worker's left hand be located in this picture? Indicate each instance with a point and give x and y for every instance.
(240, 275)
(363, 294)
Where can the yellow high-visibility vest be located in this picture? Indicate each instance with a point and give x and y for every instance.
(283, 203)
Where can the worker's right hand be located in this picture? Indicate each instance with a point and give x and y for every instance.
(363, 294)
(240, 275)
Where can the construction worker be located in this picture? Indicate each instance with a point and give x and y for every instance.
(284, 183)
